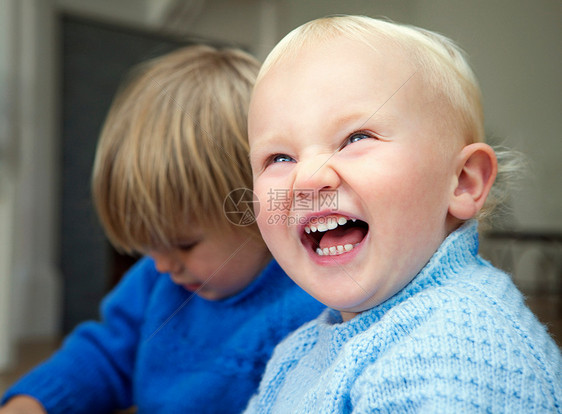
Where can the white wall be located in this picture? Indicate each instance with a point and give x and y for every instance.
(36, 277)
(29, 281)
(7, 175)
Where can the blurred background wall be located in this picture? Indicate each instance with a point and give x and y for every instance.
(514, 47)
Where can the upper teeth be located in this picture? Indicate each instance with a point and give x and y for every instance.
(329, 223)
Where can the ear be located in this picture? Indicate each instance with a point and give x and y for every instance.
(476, 170)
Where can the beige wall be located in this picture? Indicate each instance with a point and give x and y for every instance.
(516, 51)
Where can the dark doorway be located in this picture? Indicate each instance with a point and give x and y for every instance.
(95, 58)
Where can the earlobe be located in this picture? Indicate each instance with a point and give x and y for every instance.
(476, 171)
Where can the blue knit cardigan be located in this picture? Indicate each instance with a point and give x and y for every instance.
(168, 351)
(458, 338)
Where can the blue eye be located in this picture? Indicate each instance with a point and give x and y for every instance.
(358, 136)
(281, 158)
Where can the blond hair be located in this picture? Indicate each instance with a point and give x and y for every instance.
(173, 146)
(438, 60)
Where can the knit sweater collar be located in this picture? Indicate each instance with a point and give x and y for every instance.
(457, 251)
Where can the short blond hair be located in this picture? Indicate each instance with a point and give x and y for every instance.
(173, 146)
(441, 63)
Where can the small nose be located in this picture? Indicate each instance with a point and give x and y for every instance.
(166, 262)
(315, 174)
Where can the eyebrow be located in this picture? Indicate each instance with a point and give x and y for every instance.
(262, 146)
(368, 117)
(266, 138)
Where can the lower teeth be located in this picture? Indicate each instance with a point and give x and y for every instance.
(335, 250)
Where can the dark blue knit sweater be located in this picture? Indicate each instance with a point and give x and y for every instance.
(165, 350)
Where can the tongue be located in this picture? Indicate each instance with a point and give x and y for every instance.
(342, 236)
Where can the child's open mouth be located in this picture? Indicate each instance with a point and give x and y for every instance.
(334, 235)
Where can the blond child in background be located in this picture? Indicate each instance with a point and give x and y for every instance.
(190, 327)
(378, 127)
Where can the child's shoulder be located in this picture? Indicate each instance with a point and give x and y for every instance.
(471, 336)
(480, 308)
(458, 331)
(483, 304)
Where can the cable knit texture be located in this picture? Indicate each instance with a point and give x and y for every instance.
(457, 338)
(168, 351)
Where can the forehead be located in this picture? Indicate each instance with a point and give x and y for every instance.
(329, 60)
(337, 76)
